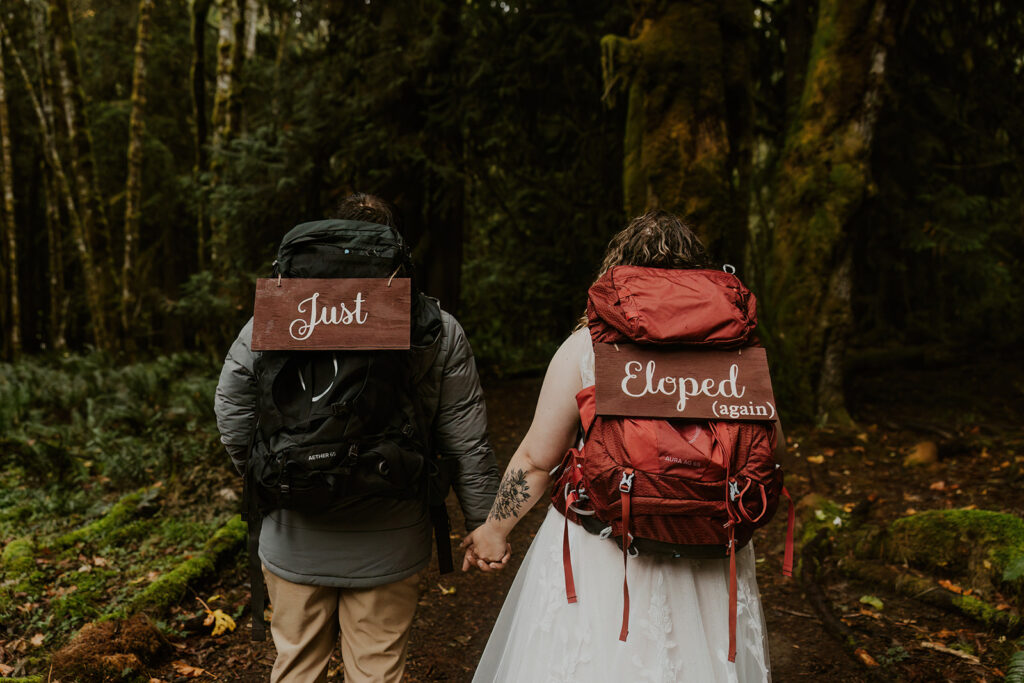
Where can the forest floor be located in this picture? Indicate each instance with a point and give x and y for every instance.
(971, 412)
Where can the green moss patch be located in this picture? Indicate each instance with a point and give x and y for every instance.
(983, 546)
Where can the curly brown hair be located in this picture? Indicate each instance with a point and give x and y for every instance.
(657, 239)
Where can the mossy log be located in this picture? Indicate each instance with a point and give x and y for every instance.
(981, 549)
(985, 547)
(18, 557)
(926, 590)
(117, 516)
(170, 588)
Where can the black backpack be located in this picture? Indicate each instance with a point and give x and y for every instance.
(337, 426)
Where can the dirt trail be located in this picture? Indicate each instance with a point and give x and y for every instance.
(451, 628)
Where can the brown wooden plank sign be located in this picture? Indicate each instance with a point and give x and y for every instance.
(634, 381)
(307, 314)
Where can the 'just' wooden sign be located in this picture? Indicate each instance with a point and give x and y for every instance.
(305, 314)
(634, 381)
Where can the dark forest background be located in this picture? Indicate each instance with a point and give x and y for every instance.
(860, 162)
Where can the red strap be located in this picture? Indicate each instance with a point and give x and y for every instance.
(787, 562)
(732, 594)
(570, 585)
(625, 488)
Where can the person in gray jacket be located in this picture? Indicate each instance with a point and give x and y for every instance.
(357, 570)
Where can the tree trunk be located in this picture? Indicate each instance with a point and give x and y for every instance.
(689, 120)
(93, 218)
(133, 186)
(200, 11)
(227, 108)
(252, 14)
(59, 300)
(92, 278)
(9, 227)
(822, 180)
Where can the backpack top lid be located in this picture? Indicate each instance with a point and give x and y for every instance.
(341, 248)
(696, 308)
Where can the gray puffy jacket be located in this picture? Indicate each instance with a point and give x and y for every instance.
(373, 541)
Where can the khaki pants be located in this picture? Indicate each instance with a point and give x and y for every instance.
(374, 625)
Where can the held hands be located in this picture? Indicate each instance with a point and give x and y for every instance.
(483, 545)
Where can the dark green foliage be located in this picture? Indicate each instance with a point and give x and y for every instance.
(68, 417)
(942, 256)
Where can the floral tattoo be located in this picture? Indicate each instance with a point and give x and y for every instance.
(512, 493)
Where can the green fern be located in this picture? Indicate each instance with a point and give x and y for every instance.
(1015, 669)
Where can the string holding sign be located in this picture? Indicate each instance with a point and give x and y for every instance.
(641, 381)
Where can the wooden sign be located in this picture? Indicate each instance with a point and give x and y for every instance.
(305, 314)
(635, 381)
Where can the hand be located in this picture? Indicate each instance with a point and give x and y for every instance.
(482, 547)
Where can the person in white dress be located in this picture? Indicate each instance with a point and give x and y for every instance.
(679, 623)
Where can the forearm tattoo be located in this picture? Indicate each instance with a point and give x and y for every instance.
(512, 493)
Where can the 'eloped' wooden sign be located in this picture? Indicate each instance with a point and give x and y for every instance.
(634, 381)
(305, 314)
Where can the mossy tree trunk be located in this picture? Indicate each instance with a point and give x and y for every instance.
(822, 181)
(227, 111)
(13, 304)
(689, 121)
(133, 186)
(94, 250)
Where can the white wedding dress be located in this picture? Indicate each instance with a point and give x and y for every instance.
(678, 623)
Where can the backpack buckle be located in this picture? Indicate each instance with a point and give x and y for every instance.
(352, 457)
(734, 490)
(626, 485)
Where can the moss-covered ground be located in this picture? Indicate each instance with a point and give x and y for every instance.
(112, 494)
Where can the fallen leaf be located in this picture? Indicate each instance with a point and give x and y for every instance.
(157, 680)
(221, 622)
(944, 633)
(924, 453)
(863, 655)
(6, 670)
(863, 436)
(873, 601)
(186, 670)
(37, 639)
(950, 586)
(99, 561)
(816, 459)
(446, 591)
(938, 486)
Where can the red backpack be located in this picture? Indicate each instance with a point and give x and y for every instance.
(692, 489)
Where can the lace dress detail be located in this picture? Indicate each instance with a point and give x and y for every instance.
(679, 615)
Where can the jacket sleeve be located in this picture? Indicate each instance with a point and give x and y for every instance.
(460, 429)
(235, 399)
